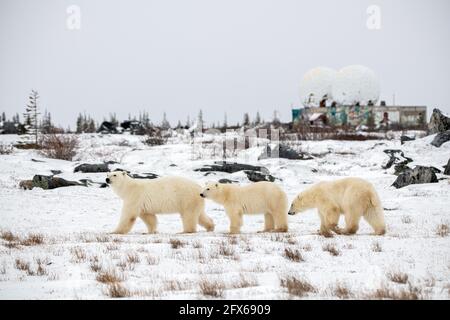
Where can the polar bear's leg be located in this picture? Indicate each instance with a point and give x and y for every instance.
(324, 227)
(268, 222)
(280, 219)
(127, 219)
(206, 222)
(375, 217)
(150, 221)
(190, 221)
(235, 221)
(332, 219)
(352, 218)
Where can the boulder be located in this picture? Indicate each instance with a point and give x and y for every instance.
(418, 175)
(398, 158)
(441, 138)
(256, 176)
(50, 182)
(447, 168)
(285, 152)
(226, 181)
(228, 167)
(92, 168)
(438, 122)
(404, 139)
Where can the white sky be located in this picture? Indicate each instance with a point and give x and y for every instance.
(230, 55)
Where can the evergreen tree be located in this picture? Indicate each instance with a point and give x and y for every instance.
(46, 124)
(257, 119)
(246, 120)
(32, 118)
(200, 120)
(165, 124)
(225, 121)
(3, 117)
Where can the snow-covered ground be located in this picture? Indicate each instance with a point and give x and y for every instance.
(77, 256)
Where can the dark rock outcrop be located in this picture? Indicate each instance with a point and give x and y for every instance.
(397, 158)
(226, 181)
(285, 152)
(256, 176)
(50, 182)
(447, 168)
(92, 168)
(418, 175)
(231, 167)
(438, 122)
(441, 138)
(107, 127)
(404, 139)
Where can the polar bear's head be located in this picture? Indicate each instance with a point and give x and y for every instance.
(298, 205)
(116, 178)
(213, 191)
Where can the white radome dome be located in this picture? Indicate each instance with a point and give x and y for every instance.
(355, 84)
(316, 85)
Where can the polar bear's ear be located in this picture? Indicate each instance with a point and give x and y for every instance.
(124, 173)
(217, 185)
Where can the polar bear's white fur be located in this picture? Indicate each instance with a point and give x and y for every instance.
(145, 198)
(353, 197)
(260, 197)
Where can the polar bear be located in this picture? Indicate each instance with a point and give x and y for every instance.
(260, 197)
(145, 198)
(353, 197)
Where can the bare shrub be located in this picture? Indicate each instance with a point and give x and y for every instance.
(376, 247)
(112, 247)
(133, 258)
(409, 293)
(52, 277)
(176, 285)
(297, 286)
(24, 266)
(94, 264)
(341, 291)
(8, 236)
(109, 276)
(41, 270)
(59, 146)
(331, 248)
(117, 290)
(397, 277)
(32, 239)
(293, 255)
(151, 260)
(78, 254)
(245, 282)
(442, 230)
(226, 250)
(6, 148)
(176, 244)
(211, 288)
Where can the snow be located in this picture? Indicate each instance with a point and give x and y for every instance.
(316, 85)
(355, 84)
(78, 219)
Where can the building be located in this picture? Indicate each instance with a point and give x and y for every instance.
(370, 116)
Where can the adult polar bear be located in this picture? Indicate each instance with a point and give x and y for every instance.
(259, 197)
(145, 198)
(353, 197)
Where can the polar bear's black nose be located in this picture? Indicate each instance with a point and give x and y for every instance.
(107, 180)
(291, 213)
(202, 195)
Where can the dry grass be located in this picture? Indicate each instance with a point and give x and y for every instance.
(112, 247)
(397, 277)
(409, 293)
(297, 286)
(176, 285)
(293, 255)
(6, 149)
(244, 281)
(197, 245)
(211, 288)
(8, 236)
(23, 266)
(15, 241)
(133, 258)
(78, 254)
(341, 291)
(376, 247)
(442, 230)
(33, 239)
(226, 250)
(176, 244)
(94, 264)
(41, 270)
(331, 248)
(406, 219)
(152, 260)
(117, 290)
(109, 276)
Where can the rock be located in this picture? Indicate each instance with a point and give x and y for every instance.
(26, 184)
(438, 122)
(418, 175)
(144, 176)
(223, 166)
(34, 160)
(441, 138)
(55, 172)
(397, 157)
(447, 168)
(256, 176)
(404, 139)
(92, 168)
(226, 181)
(107, 127)
(285, 152)
(50, 182)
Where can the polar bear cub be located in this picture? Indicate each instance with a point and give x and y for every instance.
(353, 197)
(260, 197)
(145, 198)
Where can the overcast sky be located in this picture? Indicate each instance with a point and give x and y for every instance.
(232, 56)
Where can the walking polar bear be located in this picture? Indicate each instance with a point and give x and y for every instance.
(260, 197)
(145, 198)
(353, 197)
